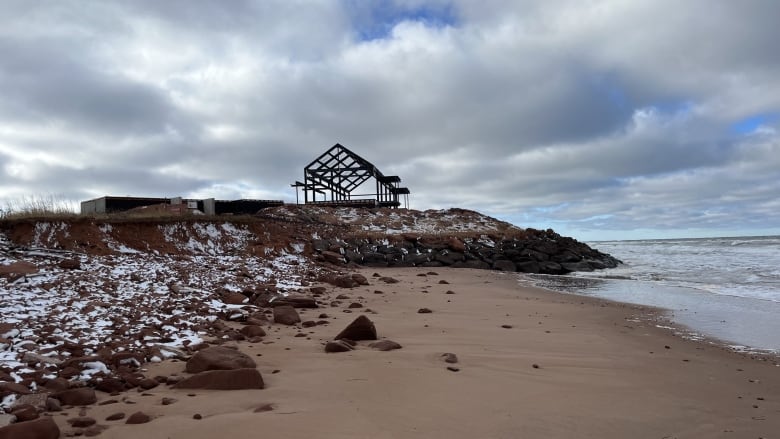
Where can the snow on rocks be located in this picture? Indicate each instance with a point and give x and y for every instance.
(132, 304)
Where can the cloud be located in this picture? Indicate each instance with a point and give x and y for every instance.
(603, 117)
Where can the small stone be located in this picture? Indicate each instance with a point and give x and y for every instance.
(450, 292)
(354, 305)
(82, 421)
(264, 408)
(506, 326)
(197, 416)
(453, 369)
(535, 366)
(115, 416)
(138, 418)
(385, 345)
(168, 401)
(337, 346)
(424, 311)
(450, 358)
(443, 282)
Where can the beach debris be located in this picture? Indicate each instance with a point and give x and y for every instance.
(362, 328)
(286, 315)
(385, 345)
(219, 358)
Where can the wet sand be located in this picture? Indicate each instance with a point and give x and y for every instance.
(565, 366)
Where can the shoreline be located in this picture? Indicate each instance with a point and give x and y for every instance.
(531, 362)
(681, 317)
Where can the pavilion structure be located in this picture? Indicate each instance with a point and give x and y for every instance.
(334, 177)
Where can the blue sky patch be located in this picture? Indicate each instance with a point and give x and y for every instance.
(751, 124)
(377, 20)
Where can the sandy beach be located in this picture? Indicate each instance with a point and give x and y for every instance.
(531, 363)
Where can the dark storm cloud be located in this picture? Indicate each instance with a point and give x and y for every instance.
(42, 82)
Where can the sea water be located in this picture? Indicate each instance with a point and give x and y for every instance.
(722, 288)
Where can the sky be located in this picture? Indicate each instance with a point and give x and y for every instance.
(601, 119)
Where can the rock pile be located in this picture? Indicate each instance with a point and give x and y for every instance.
(536, 251)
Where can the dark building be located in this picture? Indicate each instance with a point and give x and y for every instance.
(333, 178)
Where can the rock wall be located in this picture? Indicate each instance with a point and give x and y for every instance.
(537, 252)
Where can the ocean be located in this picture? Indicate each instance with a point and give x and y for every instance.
(720, 288)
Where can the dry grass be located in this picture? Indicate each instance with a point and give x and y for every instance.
(48, 207)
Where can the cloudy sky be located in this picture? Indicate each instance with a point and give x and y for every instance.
(600, 119)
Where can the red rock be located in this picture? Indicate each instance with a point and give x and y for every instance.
(115, 416)
(333, 257)
(360, 329)
(389, 280)
(219, 358)
(16, 388)
(360, 279)
(82, 421)
(236, 379)
(286, 315)
(24, 412)
(234, 298)
(41, 428)
(354, 305)
(385, 345)
(138, 418)
(252, 331)
(16, 270)
(110, 385)
(295, 300)
(337, 346)
(78, 396)
(70, 264)
(345, 281)
(148, 383)
(57, 384)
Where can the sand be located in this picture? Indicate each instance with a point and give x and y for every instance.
(603, 370)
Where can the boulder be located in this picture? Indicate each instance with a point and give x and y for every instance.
(360, 329)
(448, 257)
(77, 396)
(236, 379)
(250, 331)
(16, 388)
(219, 358)
(24, 412)
(345, 281)
(286, 315)
(528, 267)
(504, 265)
(41, 428)
(360, 279)
(332, 257)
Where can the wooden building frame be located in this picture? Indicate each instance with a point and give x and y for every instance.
(338, 172)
